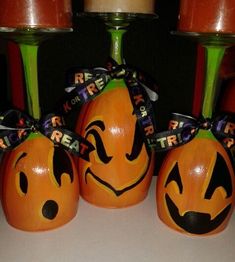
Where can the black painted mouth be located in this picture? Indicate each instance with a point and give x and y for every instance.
(113, 189)
(50, 209)
(196, 222)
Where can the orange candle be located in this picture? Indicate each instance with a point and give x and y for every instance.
(36, 13)
(207, 16)
(124, 6)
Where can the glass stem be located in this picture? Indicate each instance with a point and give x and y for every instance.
(116, 44)
(29, 57)
(214, 56)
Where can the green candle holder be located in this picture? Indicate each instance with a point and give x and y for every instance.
(29, 40)
(215, 45)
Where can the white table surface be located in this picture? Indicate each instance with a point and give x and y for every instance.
(126, 235)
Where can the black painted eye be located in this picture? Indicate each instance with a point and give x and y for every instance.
(137, 144)
(175, 176)
(61, 164)
(23, 183)
(21, 178)
(100, 149)
(220, 178)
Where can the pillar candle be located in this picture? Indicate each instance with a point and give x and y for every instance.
(36, 13)
(207, 16)
(126, 6)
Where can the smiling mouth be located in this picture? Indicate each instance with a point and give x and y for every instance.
(196, 222)
(113, 189)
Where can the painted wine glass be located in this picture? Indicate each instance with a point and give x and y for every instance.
(120, 169)
(195, 187)
(40, 184)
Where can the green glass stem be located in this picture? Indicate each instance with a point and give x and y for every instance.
(29, 56)
(214, 56)
(116, 44)
(116, 35)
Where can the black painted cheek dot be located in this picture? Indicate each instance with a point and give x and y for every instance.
(50, 209)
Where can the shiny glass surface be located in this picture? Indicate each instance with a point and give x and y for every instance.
(36, 13)
(207, 16)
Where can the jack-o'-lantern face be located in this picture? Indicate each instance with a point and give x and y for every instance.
(120, 169)
(40, 185)
(195, 188)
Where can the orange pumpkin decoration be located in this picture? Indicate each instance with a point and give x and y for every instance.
(40, 185)
(120, 169)
(195, 187)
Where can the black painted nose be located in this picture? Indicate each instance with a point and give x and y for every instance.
(50, 209)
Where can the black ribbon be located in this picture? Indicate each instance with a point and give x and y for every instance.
(15, 127)
(183, 128)
(86, 84)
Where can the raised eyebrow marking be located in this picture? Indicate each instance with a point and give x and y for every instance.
(20, 157)
(98, 123)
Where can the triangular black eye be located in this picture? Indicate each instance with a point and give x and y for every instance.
(175, 176)
(61, 164)
(220, 177)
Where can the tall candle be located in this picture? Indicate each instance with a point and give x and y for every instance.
(207, 16)
(36, 13)
(125, 6)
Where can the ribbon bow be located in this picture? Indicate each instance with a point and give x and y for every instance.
(15, 127)
(183, 128)
(86, 84)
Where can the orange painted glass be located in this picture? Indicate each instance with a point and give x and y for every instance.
(40, 188)
(115, 177)
(207, 16)
(195, 191)
(36, 13)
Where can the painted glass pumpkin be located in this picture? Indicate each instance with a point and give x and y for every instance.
(40, 185)
(195, 187)
(120, 169)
